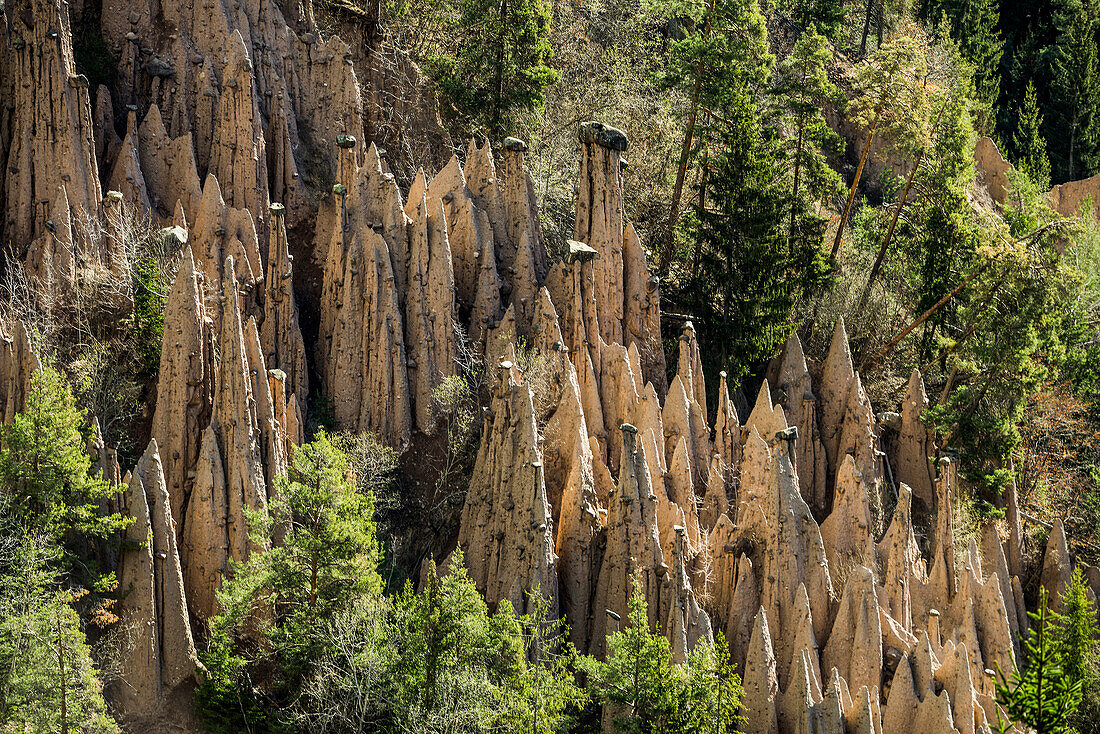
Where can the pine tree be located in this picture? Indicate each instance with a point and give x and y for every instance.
(725, 54)
(500, 66)
(539, 689)
(328, 552)
(1028, 141)
(891, 104)
(327, 560)
(1075, 92)
(639, 685)
(747, 280)
(643, 692)
(801, 92)
(45, 466)
(975, 28)
(48, 682)
(1042, 696)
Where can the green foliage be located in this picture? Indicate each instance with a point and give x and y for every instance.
(47, 679)
(643, 690)
(826, 15)
(975, 26)
(801, 91)
(47, 471)
(1076, 636)
(326, 555)
(458, 668)
(1075, 90)
(150, 294)
(326, 552)
(709, 57)
(1044, 696)
(497, 66)
(890, 95)
(1028, 142)
(750, 273)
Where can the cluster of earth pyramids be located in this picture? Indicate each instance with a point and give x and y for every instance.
(771, 529)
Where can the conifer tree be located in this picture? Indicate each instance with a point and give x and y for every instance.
(45, 466)
(643, 691)
(724, 54)
(746, 282)
(1042, 696)
(975, 28)
(891, 103)
(1028, 141)
(48, 682)
(802, 90)
(1075, 91)
(500, 65)
(826, 15)
(1077, 635)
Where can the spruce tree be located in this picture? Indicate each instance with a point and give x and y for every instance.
(801, 92)
(725, 53)
(980, 42)
(1075, 91)
(1077, 635)
(749, 276)
(1042, 696)
(500, 66)
(1028, 142)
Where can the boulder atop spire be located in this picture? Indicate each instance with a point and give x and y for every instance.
(282, 337)
(599, 221)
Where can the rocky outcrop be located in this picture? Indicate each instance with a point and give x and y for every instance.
(46, 117)
(185, 385)
(1067, 198)
(430, 315)
(848, 530)
(521, 215)
(152, 606)
(281, 336)
(51, 259)
(642, 311)
(361, 353)
(506, 531)
(590, 473)
(1057, 565)
(993, 170)
(168, 167)
(18, 363)
(761, 683)
(230, 471)
(219, 232)
(914, 446)
(795, 389)
(126, 176)
(237, 153)
(599, 221)
(633, 553)
(837, 375)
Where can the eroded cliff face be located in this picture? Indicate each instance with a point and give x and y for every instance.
(769, 526)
